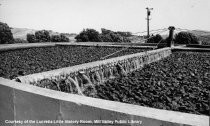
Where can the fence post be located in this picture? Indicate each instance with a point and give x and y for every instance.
(170, 42)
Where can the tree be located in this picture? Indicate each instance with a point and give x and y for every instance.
(31, 38)
(116, 37)
(63, 38)
(82, 37)
(42, 36)
(124, 34)
(19, 40)
(111, 36)
(155, 39)
(105, 31)
(55, 38)
(105, 36)
(6, 36)
(88, 35)
(158, 38)
(186, 38)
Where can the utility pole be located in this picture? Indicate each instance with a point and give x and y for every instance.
(148, 14)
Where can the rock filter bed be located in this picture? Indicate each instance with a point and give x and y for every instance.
(180, 82)
(34, 60)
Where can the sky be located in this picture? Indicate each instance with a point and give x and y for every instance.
(72, 16)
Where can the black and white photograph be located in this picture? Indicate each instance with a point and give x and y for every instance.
(104, 62)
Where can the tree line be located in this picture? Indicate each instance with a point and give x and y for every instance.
(44, 36)
(6, 36)
(90, 35)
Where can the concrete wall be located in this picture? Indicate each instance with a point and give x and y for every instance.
(23, 102)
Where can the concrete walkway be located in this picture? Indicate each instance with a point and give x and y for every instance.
(4, 47)
(184, 48)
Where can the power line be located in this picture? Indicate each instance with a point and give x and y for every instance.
(160, 31)
(159, 42)
(150, 31)
(114, 53)
(183, 29)
(154, 36)
(128, 47)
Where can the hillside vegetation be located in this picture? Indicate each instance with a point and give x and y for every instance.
(91, 35)
(21, 33)
(203, 36)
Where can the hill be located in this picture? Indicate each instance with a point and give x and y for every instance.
(204, 36)
(22, 32)
(200, 32)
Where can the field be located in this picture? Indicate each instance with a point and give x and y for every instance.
(34, 60)
(180, 82)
